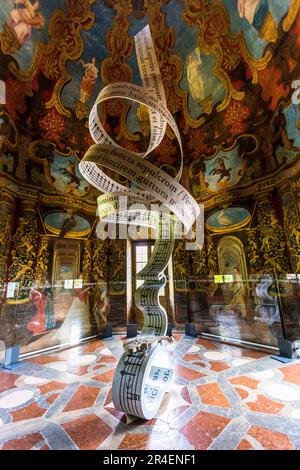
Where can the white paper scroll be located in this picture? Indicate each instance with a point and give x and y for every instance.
(144, 373)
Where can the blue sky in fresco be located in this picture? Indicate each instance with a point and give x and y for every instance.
(25, 54)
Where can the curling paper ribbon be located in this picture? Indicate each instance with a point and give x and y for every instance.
(144, 373)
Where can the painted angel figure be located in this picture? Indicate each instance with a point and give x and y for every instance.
(194, 77)
(248, 8)
(88, 81)
(23, 20)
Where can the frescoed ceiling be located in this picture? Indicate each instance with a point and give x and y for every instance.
(229, 67)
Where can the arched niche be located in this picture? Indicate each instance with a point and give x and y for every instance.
(231, 254)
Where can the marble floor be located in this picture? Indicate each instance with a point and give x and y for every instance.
(224, 397)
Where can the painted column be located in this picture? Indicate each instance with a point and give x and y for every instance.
(7, 208)
(25, 248)
(255, 264)
(271, 237)
(87, 274)
(42, 263)
(291, 225)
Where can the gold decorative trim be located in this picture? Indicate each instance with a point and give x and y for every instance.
(17, 302)
(291, 16)
(55, 231)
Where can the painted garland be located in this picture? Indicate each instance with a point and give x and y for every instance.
(144, 372)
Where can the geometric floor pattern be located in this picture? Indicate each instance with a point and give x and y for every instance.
(224, 397)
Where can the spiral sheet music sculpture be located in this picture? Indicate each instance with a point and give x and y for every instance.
(144, 373)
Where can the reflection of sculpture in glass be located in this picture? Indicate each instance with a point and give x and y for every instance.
(240, 293)
(267, 310)
(88, 81)
(37, 323)
(100, 303)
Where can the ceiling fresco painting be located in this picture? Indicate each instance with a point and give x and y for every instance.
(26, 22)
(258, 20)
(67, 177)
(228, 219)
(228, 68)
(72, 225)
(222, 171)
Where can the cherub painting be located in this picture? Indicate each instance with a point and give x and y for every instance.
(88, 81)
(25, 17)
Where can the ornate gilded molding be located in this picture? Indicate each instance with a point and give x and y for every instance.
(25, 247)
(115, 69)
(65, 43)
(42, 263)
(7, 206)
(271, 236)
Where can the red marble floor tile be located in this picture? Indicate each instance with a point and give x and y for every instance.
(7, 381)
(211, 394)
(246, 381)
(144, 442)
(219, 366)
(117, 414)
(107, 377)
(200, 364)
(51, 399)
(192, 357)
(50, 386)
(78, 370)
(177, 336)
(107, 359)
(188, 374)
(84, 397)
(206, 343)
(28, 412)
(91, 347)
(45, 447)
(45, 359)
(242, 393)
(185, 395)
(265, 405)
(271, 440)
(241, 352)
(244, 445)
(135, 442)
(99, 366)
(254, 354)
(88, 432)
(203, 429)
(23, 443)
(291, 373)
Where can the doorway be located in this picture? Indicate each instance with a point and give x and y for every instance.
(141, 252)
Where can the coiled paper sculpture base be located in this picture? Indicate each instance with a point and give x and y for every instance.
(144, 373)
